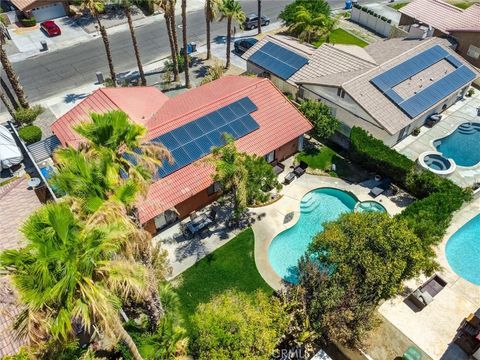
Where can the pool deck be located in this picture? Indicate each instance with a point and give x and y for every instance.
(464, 110)
(434, 328)
(283, 214)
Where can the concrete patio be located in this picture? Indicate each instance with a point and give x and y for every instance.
(465, 110)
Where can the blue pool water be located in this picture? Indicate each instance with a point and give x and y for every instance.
(47, 172)
(316, 207)
(463, 251)
(462, 144)
(370, 206)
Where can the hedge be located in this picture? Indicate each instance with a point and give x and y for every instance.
(429, 217)
(30, 134)
(28, 116)
(28, 22)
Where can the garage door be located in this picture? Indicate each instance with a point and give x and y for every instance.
(48, 12)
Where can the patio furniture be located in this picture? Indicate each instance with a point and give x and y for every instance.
(424, 295)
(212, 215)
(380, 188)
(193, 215)
(278, 167)
(198, 224)
(289, 178)
(299, 171)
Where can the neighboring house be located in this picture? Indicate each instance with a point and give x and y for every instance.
(446, 20)
(260, 118)
(42, 9)
(348, 79)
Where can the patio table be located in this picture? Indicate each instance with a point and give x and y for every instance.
(198, 224)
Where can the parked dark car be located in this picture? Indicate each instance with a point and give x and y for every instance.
(251, 21)
(50, 28)
(243, 45)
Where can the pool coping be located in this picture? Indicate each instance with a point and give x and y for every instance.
(269, 223)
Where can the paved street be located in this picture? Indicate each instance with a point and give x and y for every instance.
(65, 69)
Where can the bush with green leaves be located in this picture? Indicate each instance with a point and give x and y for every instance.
(320, 115)
(28, 116)
(365, 258)
(181, 63)
(261, 179)
(28, 22)
(30, 134)
(315, 8)
(236, 325)
(214, 72)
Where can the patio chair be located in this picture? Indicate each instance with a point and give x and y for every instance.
(299, 171)
(425, 293)
(289, 178)
(380, 188)
(278, 167)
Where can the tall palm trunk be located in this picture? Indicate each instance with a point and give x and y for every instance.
(208, 12)
(125, 337)
(106, 43)
(11, 75)
(259, 27)
(9, 107)
(154, 309)
(229, 39)
(128, 13)
(174, 26)
(184, 37)
(168, 23)
(8, 93)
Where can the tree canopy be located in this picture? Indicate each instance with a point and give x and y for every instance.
(314, 8)
(324, 123)
(236, 325)
(356, 262)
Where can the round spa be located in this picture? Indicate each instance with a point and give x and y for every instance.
(436, 163)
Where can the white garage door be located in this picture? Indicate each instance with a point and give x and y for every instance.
(48, 12)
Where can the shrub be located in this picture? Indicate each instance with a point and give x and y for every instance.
(28, 22)
(30, 134)
(28, 116)
(470, 92)
(416, 132)
(383, 18)
(215, 72)
(374, 155)
(181, 63)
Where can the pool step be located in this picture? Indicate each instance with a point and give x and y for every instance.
(468, 128)
(308, 204)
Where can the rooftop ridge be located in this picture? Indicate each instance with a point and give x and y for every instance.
(332, 46)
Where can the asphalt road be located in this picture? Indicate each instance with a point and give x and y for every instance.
(60, 71)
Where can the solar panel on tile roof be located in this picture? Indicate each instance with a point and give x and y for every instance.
(194, 140)
(278, 60)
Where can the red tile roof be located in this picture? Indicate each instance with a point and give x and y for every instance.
(444, 16)
(280, 122)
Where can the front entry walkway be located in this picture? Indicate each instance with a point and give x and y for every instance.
(272, 219)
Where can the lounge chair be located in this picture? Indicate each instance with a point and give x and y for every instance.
(299, 171)
(278, 167)
(289, 178)
(380, 188)
(424, 295)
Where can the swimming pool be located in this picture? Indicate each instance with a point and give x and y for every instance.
(316, 207)
(463, 251)
(461, 145)
(369, 206)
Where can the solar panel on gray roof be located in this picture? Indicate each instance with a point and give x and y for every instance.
(194, 140)
(278, 60)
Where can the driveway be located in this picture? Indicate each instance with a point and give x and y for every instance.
(28, 39)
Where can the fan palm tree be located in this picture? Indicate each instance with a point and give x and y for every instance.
(123, 140)
(210, 15)
(11, 75)
(69, 274)
(168, 8)
(96, 6)
(231, 173)
(126, 4)
(232, 11)
(7, 104)
(184, 40)
(259, 8)
(310, 28)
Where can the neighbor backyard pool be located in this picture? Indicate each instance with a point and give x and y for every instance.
(463, 251)
(461, 145)
(316, 207)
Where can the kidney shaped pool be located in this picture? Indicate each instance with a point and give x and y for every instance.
(317, 207)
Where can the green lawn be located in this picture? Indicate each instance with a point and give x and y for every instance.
(230, 267)
(318, 159)
(398, 6)
(340, 36)
(463, 4)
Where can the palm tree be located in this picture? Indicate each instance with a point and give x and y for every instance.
(231, 173)
(124, 141)
(168, 7)
(7, 104)
(310, 28)
(185, 50)
(95, 6)
(11, 75)
(126, 7)
(259, 7)
(69, 273)
(232, 11)
(210, 15)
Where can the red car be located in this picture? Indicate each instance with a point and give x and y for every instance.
(50, 28)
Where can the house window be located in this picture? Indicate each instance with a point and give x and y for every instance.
(473, 52)
(300, 143)
(270, 156)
